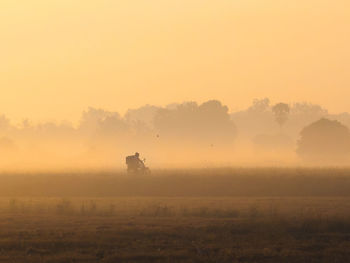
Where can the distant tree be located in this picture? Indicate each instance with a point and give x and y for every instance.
(5, 124)
(324, 139)
(113, 125)
(94, 120)
(308, 109)
(144, 114)
(260, 105)
(209, 122)
(281, 112)
(256, 119)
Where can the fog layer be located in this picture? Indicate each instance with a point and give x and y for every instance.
(179, 135)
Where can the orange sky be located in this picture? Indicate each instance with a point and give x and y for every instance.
(57, 57)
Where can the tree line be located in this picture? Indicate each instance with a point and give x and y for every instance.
(306, 128)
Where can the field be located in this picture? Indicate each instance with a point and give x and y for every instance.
(209, 215)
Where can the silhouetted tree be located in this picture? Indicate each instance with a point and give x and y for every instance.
(94, 120)
(5, 124)
(208, 122)
(324, 139)
(308, 109)
(113, 125)
(260, 105)
(256, 119)
(144, 114)
(281, 112)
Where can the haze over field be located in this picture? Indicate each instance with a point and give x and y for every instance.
(187, 134)
(60, 57)
(240, 107)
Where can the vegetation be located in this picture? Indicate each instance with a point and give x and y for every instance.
(219, 182)
(175, 230)
(270, 215)
(325, 139)
(281, 112)
(208, 132)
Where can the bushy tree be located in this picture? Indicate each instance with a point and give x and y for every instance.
(260, 105)
(281, 112)
(102, 122)
(208, 122)
(324, 139)
(144, 115)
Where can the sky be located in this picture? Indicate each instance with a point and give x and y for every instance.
(58, 57)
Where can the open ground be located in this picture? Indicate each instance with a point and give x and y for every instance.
(207, 215)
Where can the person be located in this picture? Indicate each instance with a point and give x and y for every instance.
(134, 163)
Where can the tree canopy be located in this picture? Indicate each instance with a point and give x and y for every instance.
(281, 112)
(324, 139)
(209, 122)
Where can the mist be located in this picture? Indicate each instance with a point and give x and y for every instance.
(180, 135)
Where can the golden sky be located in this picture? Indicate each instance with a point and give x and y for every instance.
(57, 57)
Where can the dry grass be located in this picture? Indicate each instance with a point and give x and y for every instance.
(54, 227)
(175, 183)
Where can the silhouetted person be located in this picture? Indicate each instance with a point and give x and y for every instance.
(134, 163)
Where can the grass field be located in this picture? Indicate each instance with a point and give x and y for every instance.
(222, 215)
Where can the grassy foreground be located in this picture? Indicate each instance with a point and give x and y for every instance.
(43, 220)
